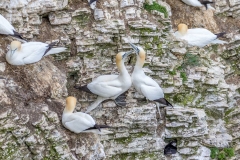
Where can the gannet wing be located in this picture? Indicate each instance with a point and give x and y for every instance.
(78, 125)
(105, 78)
(199, 37)
(105, 89)
(150, 89)
(5, 26)
(33, 51)
(86, 116)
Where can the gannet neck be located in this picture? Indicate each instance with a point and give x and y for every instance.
(182, 29)
(120, 63)
(70, 104)
(140, 59)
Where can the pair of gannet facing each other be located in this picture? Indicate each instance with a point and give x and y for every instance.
(80, 122)
(7, 29)
(110, 86)
(198, 36)
(145, 85)
(30, 52)
(199, 3)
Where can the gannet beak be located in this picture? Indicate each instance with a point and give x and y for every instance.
(127, 54)
(135, 48)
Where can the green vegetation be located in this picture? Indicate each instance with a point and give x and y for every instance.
(190, 60)
(157, 7)
(221, 154)
(183, 75)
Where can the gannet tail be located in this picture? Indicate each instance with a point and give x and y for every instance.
(17, 35)
(205, 3)
(53, 49)
(121, 100)
(163, 101)
(218, 41)
(83, 88)
(99, 127)
(95, 104)
(220, 34)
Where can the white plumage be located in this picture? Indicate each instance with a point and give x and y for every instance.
(7, 29)
(198, 36)
(110, 86)
(197, 3)
(80, 122)
(31, 52)
(144, 84)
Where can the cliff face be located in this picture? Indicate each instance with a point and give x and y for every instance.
(202, 83)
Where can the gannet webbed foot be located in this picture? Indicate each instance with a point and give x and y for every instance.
(121, 100)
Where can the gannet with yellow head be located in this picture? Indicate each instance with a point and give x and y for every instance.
(80, 122)
(145, 85)
(198, 36)
(7, 29)
(110, 86)
(30, 52)
(199, 3)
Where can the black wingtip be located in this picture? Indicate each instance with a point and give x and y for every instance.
(18, 35)
(96, 126)
(164, 101)
(220, 34)
(205, 3)
(82, 88)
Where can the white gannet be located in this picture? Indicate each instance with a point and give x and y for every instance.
(30, 52)
(80, 122)
(198, 36)
(110, 86)
(7, 29)
(146, 85)
(199, 3)
(92, 4)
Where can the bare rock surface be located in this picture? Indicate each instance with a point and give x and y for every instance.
(203, 84)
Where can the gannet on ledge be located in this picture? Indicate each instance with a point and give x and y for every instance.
(110, 86)
(7, 29)
(198, 36)
(199, 3)
(146, 85)
(30, 52)
(80, 122)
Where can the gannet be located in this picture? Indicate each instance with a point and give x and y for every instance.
(92, 4)
(80, 122)
(7, 29)
(199, 3)
(146, 85)
(110, 86)
(30, 52)
(198, 36)
(171, 148)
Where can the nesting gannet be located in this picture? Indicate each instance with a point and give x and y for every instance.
(199, 3)
(30, 52)
(146, 85)
(80, 122)
(92, 4)
(198, 36)
(7, 29)
(110, 86)
(171, 148)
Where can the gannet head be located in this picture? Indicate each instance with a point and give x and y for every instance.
(70, 104)
(182, 29)
(15, 45)
(121, 56)
(141, 54)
